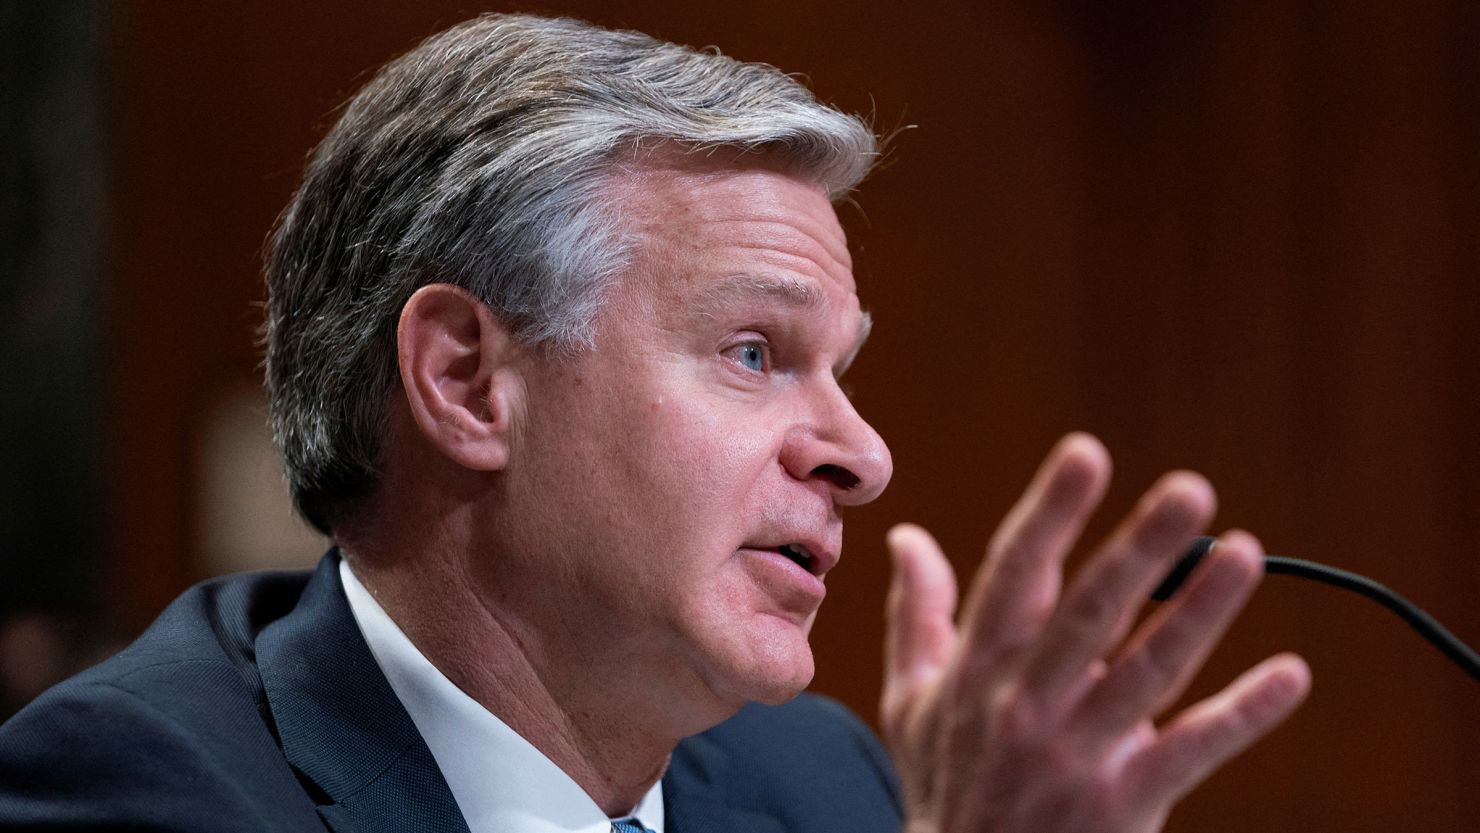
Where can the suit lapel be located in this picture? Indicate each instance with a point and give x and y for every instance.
(343, 730)
(341, 726)
(694, 798)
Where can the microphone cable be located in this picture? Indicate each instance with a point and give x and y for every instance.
(1427, 626)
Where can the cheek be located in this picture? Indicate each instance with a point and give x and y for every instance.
(689, 481)
(674, 467)
(714, 456)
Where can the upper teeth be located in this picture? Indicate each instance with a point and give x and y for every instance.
(796, 552)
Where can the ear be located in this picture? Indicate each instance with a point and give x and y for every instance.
(459, 375)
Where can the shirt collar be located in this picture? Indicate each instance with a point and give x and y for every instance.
(500, 781)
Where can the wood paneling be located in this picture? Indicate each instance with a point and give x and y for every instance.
(1238, 237)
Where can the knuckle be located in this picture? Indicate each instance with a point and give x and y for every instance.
(1092, 610)
(1011, 556)
(1015, 718)
(1151, 668)
(1091, 613)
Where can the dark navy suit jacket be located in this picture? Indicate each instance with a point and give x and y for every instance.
(253, 704)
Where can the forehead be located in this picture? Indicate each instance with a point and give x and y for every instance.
(744, 222)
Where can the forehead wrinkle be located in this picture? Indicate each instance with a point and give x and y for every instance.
(805, 237)
(797, 237)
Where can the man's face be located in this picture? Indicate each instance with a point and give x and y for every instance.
(673, 496)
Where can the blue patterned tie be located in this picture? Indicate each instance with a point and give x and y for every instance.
(629, 826)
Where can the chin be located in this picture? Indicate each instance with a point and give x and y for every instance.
(782, 694)
(746, 653)
(776, 669)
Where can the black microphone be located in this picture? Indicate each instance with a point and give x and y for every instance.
(1427, 626)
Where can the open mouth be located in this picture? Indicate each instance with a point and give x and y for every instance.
(799, 555)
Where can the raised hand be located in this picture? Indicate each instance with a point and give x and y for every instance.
(1035, 714)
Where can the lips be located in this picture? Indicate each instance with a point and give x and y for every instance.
(812, 554)
(799, 555)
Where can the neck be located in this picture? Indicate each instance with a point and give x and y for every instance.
(601, 736)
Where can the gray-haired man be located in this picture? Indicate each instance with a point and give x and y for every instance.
(555, 329)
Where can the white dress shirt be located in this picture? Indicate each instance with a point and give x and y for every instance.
(501, 782)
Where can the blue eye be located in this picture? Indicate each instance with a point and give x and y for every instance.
(753, 356)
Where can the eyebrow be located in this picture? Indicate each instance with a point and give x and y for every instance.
(793, 293)
(745, 287)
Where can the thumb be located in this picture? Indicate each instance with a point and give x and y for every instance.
(920, 618)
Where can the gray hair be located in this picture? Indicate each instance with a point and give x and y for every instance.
(479, 159)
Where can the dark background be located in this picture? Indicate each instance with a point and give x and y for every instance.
(1238, 237)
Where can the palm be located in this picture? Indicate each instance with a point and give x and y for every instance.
(1034, 713)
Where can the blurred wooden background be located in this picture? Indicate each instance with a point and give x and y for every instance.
(1238, 237)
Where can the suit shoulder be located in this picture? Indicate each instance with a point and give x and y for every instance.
(203, 641)
(811, 761)
(173, 730)
(216, 620)
(810, 720)
(93, 752)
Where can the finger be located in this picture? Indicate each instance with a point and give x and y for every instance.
(1018, 586)
(1100, 606)
(1209, 733)
(920, 616)
(1174, 643)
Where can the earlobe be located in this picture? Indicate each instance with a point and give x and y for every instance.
(457, 363)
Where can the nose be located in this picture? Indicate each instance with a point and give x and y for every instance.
(835, 447)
